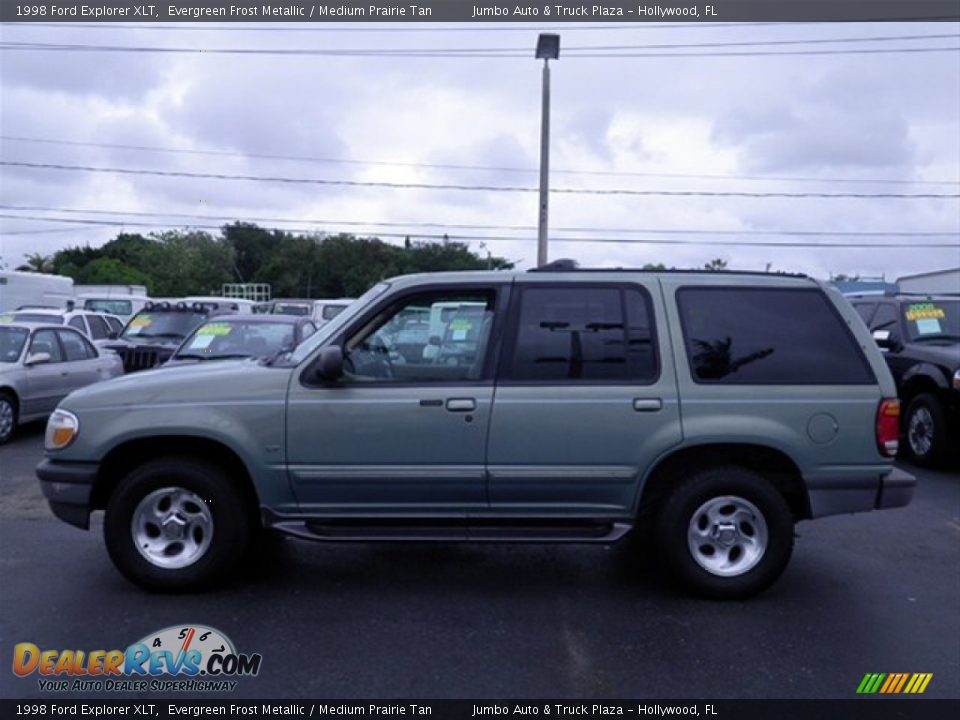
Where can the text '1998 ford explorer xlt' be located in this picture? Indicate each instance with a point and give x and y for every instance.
(559, 405)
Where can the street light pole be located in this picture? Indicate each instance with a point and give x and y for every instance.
(548, 48)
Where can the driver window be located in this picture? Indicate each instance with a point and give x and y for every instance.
(437, 337)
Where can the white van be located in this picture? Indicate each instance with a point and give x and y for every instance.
(124, 306)
(326, 310)
(28, 289)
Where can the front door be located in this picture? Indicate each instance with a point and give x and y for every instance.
(405, 430)
(586, 400)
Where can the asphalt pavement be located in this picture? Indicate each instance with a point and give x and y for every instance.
(877, 592)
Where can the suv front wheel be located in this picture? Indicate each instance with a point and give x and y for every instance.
(726, 533)
(176, 524)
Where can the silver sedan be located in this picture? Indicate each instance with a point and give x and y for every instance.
(40, 365)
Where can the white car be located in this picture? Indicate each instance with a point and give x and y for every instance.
(40, 365)
(96, 326)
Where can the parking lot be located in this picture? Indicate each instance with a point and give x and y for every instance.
(869, 593)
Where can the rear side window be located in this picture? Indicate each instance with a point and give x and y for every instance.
(98, 327)
(76, 346)
(767, 336)
(593, 334)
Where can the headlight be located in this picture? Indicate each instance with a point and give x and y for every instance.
(956, 380)
(62, 428)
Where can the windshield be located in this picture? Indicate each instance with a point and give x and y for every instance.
(37, 318)
(11, 343)
(932, 319)
(162, 324)
(114, 307)
(331, 328)
(214, 340)
(291, 309)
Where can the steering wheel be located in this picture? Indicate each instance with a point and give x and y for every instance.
(371, 359)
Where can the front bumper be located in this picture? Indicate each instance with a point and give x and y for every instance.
(859, 493)
(68, 487)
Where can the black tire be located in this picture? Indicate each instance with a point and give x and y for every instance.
(683, 505)
(925, 431)
(228, 541)
(8, 404)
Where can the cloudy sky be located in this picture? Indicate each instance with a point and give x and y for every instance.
(393, 105)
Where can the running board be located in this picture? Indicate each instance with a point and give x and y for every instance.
(532, 531)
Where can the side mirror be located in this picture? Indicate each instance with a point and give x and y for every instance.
(886, 339)
(113, 335)
(328, 366)
(36, 359)
(435, 340)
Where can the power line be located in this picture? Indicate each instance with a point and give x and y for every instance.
(568, 50)
(475, 188)
(462, 226)
(483, 168)
(395, 28)
(439, 53)
(503, 238)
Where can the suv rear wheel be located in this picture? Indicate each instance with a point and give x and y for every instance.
(925, 427)
(726, 533)
(176, 524)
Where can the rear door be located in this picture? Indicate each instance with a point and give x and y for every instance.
(82, 365)
(586, 398)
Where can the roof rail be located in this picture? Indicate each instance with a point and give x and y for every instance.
(566, 265)
(560, 265)
(899, 293)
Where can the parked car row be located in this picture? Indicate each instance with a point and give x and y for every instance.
(39, 368)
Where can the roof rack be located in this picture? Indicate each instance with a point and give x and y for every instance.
(567, 265)
(899, 293)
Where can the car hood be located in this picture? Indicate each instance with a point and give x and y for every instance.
(194, 383)
(945, 352)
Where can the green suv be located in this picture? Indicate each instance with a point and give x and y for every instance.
(559, 405)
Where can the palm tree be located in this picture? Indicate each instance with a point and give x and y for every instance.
(37, 263)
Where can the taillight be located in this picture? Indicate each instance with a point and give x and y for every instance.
(888, 426)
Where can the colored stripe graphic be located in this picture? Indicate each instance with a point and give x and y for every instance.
(894, 683)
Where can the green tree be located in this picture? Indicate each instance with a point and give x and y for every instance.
(109, 271)
(716, 264)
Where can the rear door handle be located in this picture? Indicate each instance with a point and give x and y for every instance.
(461, 404)
(647, 404)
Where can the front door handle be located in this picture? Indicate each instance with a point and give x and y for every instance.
(647, 404)
(461, 404)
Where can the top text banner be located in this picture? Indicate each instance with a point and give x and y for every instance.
(485, 11)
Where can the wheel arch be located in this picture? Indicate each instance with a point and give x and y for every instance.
(772, 463)
(121, 459)
(921, 378)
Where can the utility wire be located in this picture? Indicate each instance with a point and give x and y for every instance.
(475, 188)
(314, 27)
(567, 50)
(439, 53)
(479, 168)
(461, 226)
(504, 238)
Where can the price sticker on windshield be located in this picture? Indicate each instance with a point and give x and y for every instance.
(924, 311)
(215, 329)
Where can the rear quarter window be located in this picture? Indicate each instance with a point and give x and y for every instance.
(768, 336)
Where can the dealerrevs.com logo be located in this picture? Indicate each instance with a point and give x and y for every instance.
(201, 658)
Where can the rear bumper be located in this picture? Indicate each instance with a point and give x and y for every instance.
(68, 487)
(859, 493)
